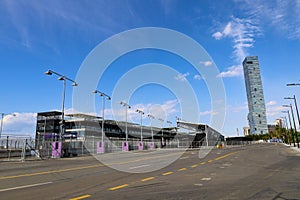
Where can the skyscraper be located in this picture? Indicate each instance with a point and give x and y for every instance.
(256, 103)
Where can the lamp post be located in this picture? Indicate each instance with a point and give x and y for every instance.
(103, 95)
(142, 113)
(294, 123)
(162, 131)
(151, 117)
(2, 117)
(289, 117)
(297, 112)
(285, 124)
(64, 79)
(127, 107)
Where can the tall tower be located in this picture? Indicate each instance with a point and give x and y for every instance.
(255, 95)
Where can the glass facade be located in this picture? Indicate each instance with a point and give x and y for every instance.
(256, 103)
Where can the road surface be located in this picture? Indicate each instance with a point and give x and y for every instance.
(261, 171)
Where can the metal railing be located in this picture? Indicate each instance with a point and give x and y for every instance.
(15, 148)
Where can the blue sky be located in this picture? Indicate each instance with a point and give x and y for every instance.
(39, 35)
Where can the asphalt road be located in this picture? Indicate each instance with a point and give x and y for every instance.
(262, 171)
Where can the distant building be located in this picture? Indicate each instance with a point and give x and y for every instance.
(246, 131)
(257, 110)
(271, 128)
(278, 122)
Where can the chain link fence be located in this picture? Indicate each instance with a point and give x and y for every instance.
(16, 148)
(20, 148)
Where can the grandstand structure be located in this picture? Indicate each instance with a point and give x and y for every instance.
(83, 133)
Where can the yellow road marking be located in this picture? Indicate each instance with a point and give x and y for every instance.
(182, 169)
(98, 165)
(210, 161)
(81, 197)
(203, 163)
(226, 155)
(167, 173)
(193, 166)
(118, 187)
(84, 167)
(148, 179)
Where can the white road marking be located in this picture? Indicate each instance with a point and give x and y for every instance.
(136, 167)
(206, 179)
(184, 157)
(24, 186)
(198, 184)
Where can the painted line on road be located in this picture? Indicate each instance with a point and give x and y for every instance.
(24, 186)
(118, 187)
(206, 179)
(167, 173)
(226, 155)
(184, 157)
(148, 179)
(81, 197)
(139, 166)
(84, 167)
(51, 172)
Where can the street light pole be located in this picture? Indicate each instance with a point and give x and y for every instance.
(142, 113)
(285, 124)
(127, 107)
(289, 117)
(293, 122)
(162, 131)
(2, 116)
(103, 95)
(151, 117)
(295, 101)
(64, 79)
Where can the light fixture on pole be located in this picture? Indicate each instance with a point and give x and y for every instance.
(2, 117)
(142, 113)
(151, 117)
(104, 96)
(293, 84)
(64, 79)
(295, 101)
(127, 107)
(289, 117)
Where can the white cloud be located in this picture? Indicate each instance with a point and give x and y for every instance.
(206, 63)
(208, 112)
(158, 110)
(274, 110)
(238, 108)
(233, 71)
(182, 77)
(217, 35)
(282, 15)
(19, 124)
(271, 103)
(197, 77)
(242, 33)
(228, 29)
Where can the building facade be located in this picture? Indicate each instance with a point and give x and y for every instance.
(256, 103)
